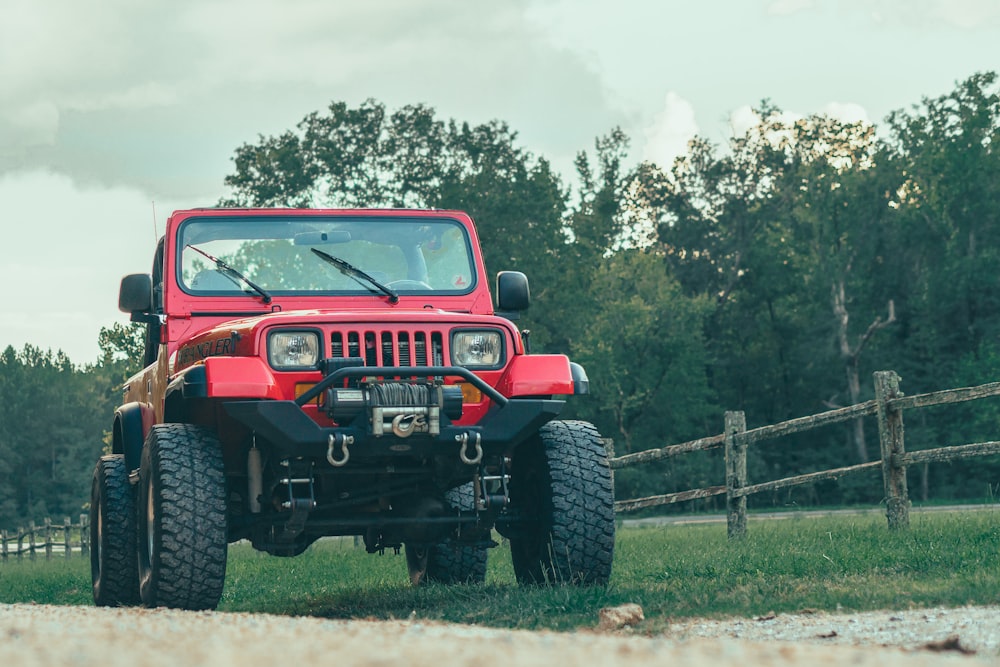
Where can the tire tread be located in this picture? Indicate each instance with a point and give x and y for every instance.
(116, 580)
(190, 567)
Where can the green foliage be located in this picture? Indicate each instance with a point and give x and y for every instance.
(64, 581)
(122, 347)
(51, 418)
(851, 563)
(772, 274)
(367, 157)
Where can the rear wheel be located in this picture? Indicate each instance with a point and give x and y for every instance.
(113, 567)
(182, 536)
(449, 562)
(561, 489)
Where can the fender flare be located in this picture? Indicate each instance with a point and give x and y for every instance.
(129, 433)
(227, 378)
(541, 375)
(581, 383)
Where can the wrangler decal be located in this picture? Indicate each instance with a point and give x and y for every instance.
(212, 348)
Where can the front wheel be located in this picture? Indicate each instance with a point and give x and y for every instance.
(113, 568)
(561, 490)
(449, 562)
(182, 536)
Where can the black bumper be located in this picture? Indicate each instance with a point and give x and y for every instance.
(294, 434)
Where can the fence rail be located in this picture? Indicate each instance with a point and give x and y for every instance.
(887, 407)
(47, 540)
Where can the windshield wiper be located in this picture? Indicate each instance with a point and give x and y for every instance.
(235, 275)
(357, 275)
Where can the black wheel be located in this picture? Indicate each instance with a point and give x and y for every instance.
(449, 562)
(562, 491)
(181, 518)
(113, 567)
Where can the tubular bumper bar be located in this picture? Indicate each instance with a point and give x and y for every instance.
(341, 374)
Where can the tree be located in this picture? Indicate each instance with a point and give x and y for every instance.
(364, 157)
(947, 152)
(644, 348)
(721, 234)
(50, 423)
(838, 184)
(122, 345)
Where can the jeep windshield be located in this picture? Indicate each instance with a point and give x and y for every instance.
(279, 254)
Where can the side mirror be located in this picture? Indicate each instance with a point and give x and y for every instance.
(136, 293)
(512, 291)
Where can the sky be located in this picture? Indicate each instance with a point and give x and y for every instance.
(113, 113)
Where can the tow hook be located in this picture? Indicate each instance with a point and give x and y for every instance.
(342, 440)
(405, 425)
(463, 453)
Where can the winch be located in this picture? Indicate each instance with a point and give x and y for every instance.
(399, 408)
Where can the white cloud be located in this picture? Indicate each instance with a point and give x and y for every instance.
(846, 112)
(146, 95)
(672, 128)
(28, 125)
(65, 250)
(163, 93)
(742, 119)
(966, 14)
(745, 118)
(788, 7)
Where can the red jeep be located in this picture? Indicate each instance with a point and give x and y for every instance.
(340, 372)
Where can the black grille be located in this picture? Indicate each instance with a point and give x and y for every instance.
(390, 348)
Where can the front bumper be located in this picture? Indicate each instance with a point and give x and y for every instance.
(294, 434)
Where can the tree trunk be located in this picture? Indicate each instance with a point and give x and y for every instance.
(854, 389)
(852, 355)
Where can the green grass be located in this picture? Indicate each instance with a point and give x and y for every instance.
(852, 563)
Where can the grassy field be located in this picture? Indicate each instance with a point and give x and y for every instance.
(849, 563)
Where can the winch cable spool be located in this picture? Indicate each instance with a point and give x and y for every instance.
(401, 394)
(417, 402)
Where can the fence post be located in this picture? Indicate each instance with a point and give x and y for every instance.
(48, 538)
(890, 437)
(66, 544)
(3, 537)
(20, 541)
(31, 540)
(84, 541)
(736, 475)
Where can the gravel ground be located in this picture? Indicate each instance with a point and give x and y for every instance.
(40, 635)
(966, 629)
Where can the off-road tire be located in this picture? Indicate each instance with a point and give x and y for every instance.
(561, 489)
(113, 565)
(455, 563)
(182, 539)
(448, 562)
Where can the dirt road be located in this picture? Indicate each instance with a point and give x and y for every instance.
(41, 636)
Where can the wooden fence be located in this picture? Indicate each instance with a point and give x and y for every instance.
(47, 539)
(887, 406)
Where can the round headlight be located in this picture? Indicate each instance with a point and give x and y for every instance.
(293, 349)
(476, 348)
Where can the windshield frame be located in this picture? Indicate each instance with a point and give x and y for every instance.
(196, 229)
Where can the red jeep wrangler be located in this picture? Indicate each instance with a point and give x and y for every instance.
(339, 372)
